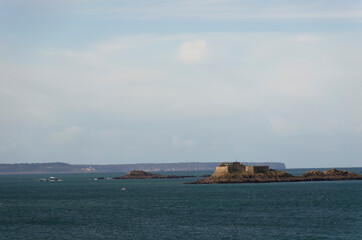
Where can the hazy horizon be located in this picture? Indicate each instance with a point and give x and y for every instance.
(85, 164)
(122, 82)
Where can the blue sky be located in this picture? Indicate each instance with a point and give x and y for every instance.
(103, 82)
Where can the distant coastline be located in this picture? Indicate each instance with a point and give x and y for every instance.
(59, 167)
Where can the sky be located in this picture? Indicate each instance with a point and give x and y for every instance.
(115, 82)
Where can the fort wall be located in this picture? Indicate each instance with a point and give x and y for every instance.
(257, 169)
(231, 167)
(220, 170)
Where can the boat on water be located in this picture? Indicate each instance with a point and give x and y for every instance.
(123, 189)
(50, 179)
(98, 178)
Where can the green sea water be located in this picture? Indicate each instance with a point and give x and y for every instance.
(81, 208)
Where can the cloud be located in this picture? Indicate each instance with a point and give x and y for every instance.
(296, 78)
(359, 129)
(229, 10)
(67, 135)
(192, 51)
(93, 55)
(282, 128)
(307, 39)
(178, 142)
(261, 89)
(74, 56)
(67, 54)
(115, 47)
(186, 10)
(7, 147)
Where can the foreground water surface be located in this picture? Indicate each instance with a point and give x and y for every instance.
(81, 208)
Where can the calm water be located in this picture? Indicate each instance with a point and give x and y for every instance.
(80, 208)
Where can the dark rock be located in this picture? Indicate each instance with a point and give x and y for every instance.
(312, 173)
(139, 174)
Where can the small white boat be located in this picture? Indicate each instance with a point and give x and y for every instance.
(50, 179)
(98, 178)
(123, 189)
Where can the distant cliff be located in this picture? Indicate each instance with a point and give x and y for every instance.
(29, 168)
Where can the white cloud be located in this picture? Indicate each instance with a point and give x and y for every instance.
(178, 142)
(307, 39)
(111, 47)
(282, 128)
(192, 51)
(74, 56)
(186, 10)
(67, 54)
(230, 10)
(147, 82)
(7, 147)
(67, 135)
(296, 79)
(229, 100)
(359, 129)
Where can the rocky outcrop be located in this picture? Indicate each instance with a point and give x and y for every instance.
(206, 175)
(279, 176)
(139, 174)
(329, 175)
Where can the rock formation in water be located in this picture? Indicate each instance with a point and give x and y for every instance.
(331, 174)
(139, 174)
(235, 175)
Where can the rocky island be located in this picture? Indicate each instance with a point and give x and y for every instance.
(235, 172)
(139, 174)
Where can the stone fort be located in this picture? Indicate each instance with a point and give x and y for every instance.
(230, 167)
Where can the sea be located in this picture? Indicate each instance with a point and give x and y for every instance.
(81, 208)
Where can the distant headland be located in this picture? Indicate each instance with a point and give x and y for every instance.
(236, 172)
(59, 167)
